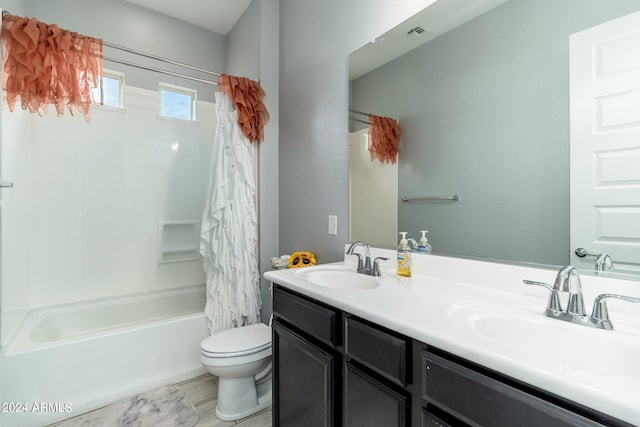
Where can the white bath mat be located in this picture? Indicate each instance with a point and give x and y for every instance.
(164, 407)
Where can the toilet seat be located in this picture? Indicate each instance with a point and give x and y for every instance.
(240, 341)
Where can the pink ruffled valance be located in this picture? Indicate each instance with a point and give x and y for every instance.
(246, 95)
(384, 138)
(45, 64)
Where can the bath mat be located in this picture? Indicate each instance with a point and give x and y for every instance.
(164, 407)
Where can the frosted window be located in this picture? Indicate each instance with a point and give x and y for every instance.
(112, 84)
(111, 89)
(177, 103)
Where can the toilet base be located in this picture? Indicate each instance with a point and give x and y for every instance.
(236, 402)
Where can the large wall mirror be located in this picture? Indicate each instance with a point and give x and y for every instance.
(482, 95)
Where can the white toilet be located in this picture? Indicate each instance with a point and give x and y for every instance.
(241, 358)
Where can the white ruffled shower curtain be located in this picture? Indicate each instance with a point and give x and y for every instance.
(229, 232)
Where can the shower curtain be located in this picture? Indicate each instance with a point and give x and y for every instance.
(229, 235)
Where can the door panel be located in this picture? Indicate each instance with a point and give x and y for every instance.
(605, 142)
(303, 381)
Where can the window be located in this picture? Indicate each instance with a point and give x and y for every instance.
(112, 87)
(177, 102)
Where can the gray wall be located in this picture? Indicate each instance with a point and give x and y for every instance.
(484, 111)
(315, 39)
(124, 24)
(252, 47)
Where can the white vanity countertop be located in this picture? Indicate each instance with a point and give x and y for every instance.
(444, 299)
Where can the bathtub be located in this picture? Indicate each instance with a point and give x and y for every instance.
(73, 358)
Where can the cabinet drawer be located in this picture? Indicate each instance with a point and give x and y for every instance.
(431, 420)
(381, 351)
(481, 400)
(308, 316)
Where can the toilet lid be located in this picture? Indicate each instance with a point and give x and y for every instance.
(245, 339)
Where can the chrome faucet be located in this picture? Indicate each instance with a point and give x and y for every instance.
(603, 262)
(364, 266)
(568, 280)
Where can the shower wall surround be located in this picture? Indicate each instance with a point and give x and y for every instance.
(86, 216)
(82, 219)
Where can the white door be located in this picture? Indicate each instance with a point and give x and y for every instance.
(605, 142)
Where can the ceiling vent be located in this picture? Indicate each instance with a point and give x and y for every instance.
(417, 32)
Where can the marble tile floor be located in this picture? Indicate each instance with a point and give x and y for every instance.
(203, 392)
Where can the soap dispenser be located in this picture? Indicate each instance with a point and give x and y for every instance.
(404, 256)
(423, 247)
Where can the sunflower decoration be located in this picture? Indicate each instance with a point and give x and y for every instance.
(302, 259)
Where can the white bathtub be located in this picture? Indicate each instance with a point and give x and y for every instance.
(70, 359)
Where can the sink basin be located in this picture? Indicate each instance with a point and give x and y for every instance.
(524, 332)
(343, 278)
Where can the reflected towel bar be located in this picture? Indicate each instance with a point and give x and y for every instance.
(453, 198)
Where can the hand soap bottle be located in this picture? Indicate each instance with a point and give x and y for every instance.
(423, 247)
(404, 256)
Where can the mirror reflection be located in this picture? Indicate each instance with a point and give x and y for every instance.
(484, 107)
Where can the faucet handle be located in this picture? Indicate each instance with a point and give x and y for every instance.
(600, 312)
(553, 304)
(376, 265)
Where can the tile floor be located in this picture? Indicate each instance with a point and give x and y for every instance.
(203, 392)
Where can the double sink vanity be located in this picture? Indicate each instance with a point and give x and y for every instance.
(461, 342)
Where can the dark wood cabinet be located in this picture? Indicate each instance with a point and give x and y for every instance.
(429, 419)
(304, 381)
(370, 402)
(385, 352)
(332, 368)
(463, 393)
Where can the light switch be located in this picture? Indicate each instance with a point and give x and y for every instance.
(333, 225)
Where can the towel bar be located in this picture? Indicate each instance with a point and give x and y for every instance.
(453, 198)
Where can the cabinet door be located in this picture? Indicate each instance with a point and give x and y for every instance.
(371, 403)
(303, 386)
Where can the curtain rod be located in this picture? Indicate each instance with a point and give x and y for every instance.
(155, 57)
(351, 110)
(359, 120)
(160, 58)
(354, 111)
(158, 70)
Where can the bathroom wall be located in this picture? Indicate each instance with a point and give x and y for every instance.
(315, 40)
(100, 192)
(82, 219)
(497, 136)
(14, 301)
(252, 51)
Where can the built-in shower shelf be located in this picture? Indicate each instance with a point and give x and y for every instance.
(178, 241)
